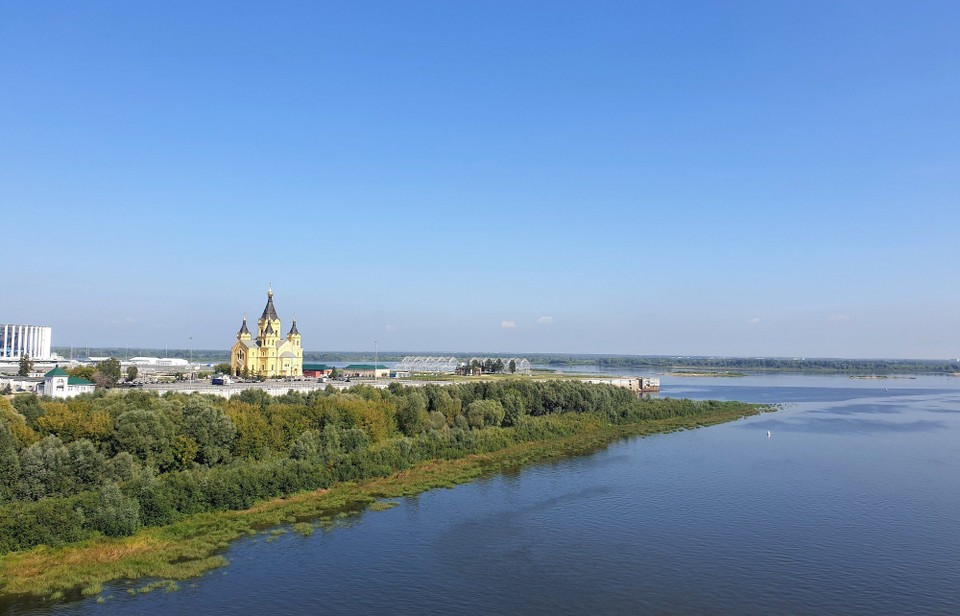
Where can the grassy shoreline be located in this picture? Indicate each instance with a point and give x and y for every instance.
(194, 545)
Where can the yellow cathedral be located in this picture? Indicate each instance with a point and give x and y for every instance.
(268, 355)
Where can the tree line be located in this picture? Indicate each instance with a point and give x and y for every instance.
(822, 365)
(112, 462)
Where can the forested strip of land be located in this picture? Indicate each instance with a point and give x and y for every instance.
(114, 462)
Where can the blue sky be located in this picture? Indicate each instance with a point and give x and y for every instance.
(729, 178)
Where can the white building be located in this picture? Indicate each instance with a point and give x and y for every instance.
(58, 384)
(158, 362)
(31, 340)
(20, 383)
(421, 363)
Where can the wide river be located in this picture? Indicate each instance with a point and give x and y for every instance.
(850, 506)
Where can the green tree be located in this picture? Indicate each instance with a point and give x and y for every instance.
(498, 365)
(212, 431)
(148, 435)
(121, 467)
(513, 367)
(132, 373)
(82, 372)
(442, 401)
(29, 406)
(513, 408)
(308, 446)
(481, 413)
(108, 373)
(223, 368)
(9, 464)
(87, 465)
(435, 421)
(116, 515)
(45, 470)
(412, 413)
(185, 451)
(26, 365)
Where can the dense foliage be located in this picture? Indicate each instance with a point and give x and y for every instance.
(113, 462)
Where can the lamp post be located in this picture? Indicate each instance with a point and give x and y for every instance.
(191, 358)
(374, 360)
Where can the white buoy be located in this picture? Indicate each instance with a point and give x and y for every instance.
(768, 434)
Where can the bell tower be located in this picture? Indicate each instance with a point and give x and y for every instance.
(268, 326)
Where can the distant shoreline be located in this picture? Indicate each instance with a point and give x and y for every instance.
(662, 363)
(719, 374)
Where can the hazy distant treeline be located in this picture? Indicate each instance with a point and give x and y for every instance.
(878, 366)
(657, 362)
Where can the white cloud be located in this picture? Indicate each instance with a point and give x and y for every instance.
(545, 320)
(390, 328)
(508, 324)
(129, 320)
(754, 320)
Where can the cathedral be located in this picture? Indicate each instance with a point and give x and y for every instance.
(268, 355)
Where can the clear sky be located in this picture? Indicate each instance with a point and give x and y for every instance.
(710, 178)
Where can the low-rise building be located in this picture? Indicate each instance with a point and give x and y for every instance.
(20, 383)
(317, 370)
(58, 384)
(366, 371)
(636, 384)
(157, 362)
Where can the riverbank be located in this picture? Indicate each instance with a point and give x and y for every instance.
(195, 544)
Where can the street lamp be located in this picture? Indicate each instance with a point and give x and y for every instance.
(374, 360)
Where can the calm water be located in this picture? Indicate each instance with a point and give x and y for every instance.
(852, 506)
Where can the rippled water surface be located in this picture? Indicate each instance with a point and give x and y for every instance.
(851, 506)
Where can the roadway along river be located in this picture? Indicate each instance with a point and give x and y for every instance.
(850, 506)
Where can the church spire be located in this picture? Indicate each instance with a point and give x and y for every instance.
(243, 329)
(269, 312)
(293, 329)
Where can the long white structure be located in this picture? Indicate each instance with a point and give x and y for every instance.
(158, 362)
(421, 363)
(19, 340)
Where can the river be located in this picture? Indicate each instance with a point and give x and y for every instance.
(850, 506)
